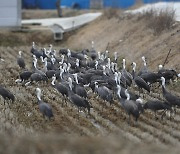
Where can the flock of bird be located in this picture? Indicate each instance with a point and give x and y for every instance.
(74, 74)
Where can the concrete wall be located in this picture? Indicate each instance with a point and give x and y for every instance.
(10, 13)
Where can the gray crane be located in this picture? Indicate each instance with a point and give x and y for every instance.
(77, 100)
(6, 94)
(156, 105)
(171, 99)
(104, 93)
(129, 106)
(44, 108)
(139, 81)
(20, 61)
(78, 89)
(61, 88)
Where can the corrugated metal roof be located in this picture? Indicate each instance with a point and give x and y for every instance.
(10, 13)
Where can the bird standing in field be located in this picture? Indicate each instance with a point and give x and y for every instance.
(6, 94)
(20, 61)
(130, 107)
(44, 108)
(171, 99)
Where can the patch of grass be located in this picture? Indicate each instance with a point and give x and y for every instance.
(175, 86)
(111, 13)
(160, 20)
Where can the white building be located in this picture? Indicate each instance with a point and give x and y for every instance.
(10, 13)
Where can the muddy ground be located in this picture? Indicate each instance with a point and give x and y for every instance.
(104, 130)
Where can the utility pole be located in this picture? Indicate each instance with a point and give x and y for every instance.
(58, 6)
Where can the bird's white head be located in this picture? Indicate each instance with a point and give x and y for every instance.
(41, 57)
(99, 54)
(38, 90)
(38, 93)
(33, 44)
(1, 59)
(75, 76)
(163, 81)
(34, 57)
(109, 60)
(119, 91)
(53, 80)
(35, 62)
(70, 82)
(62, 56)
(92, 44)
(96, 64)
(104, 69)
(124, 64)
(115, 56)
(143, 58)
(118, 87)
(86, 57)
(160, 67)
(112, 66)
(96, 84)
(139, 100)
(127, 94)
(68, 53)
(119, 74)
(65, 66)
(77, 62)
(134, 66)
(69, 65)
(50, 45)
(20, 53)
(116, 76)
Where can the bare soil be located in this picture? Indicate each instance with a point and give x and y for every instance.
(103, 131)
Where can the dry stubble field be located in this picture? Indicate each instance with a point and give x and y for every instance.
(104, 130)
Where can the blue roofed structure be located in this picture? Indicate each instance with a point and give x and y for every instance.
(85, 4)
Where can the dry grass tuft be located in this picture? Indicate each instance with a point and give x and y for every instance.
(159, 21)
(111, 13)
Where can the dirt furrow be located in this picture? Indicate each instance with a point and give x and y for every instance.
(163, 127)
(168, 139)
(118, 120)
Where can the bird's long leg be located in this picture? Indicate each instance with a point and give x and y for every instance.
(174, 110)
(103, 106)
(8, 104)
(155, 115)
(65, 100)
(136, 121)
(143, 93)
(62, 104)
(171, 112)
(162, 116)
(78, 112)
(139, 92)
(129, 119)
